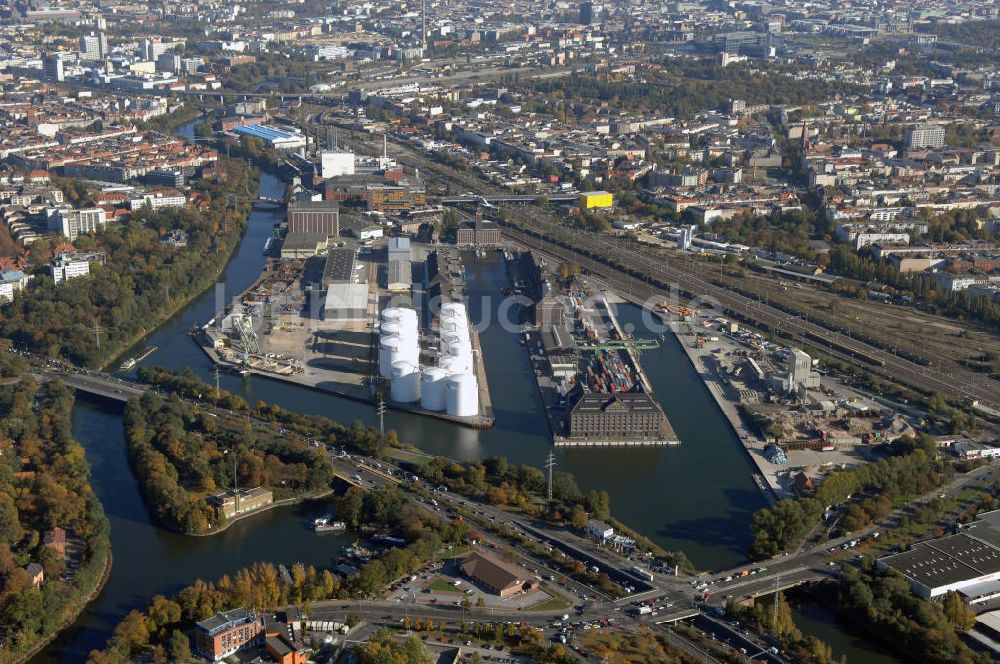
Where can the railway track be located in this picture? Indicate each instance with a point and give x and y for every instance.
(648, 278)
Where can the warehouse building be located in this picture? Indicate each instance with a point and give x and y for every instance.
(277, 139)
(346, 303)
(601, 416)
(967, 562)
(399, 270)
(592, 200)
(497, 576)
(339, 266)
(319, 217)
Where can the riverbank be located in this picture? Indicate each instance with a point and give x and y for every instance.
(257, 512)
(71, 619)
(177, 307)
(766, 479)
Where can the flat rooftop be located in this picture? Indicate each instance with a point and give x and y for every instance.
(339, 267)
(946, 560)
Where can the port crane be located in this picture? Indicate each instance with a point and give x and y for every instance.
(248, 336)
(619, 344)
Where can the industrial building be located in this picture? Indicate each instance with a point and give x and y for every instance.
(478, 233)
(399, 269)
(277, 139)
(497, 576)
(599, 416)
(318, 217)
(592, 200)
(346, 303)
(231, 504)
(967, 562)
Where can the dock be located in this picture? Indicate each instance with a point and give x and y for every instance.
(634, 393)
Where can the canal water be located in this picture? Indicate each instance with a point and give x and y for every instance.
(845, 641)
(697, 497)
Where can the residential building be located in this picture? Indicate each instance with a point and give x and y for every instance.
(36, 573)
(925, 136)
(66, 266)
(227, 633)
(72, 223)
(11, 282)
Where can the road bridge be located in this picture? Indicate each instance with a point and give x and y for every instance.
(509, 200)
(97, 384)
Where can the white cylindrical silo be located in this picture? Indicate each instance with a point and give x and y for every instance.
(450, 308)
(388, 352)
(405, 383)
(449, 341)
(392, 314)
(409, 346)
(433, 389)
(390, 329)
(463, 396)
(454, 365)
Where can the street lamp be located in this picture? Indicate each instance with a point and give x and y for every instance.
(236, 493)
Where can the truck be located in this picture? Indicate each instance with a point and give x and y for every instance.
(641, 610)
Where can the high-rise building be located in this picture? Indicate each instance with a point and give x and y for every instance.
(52, 68)
(925, 136)
(588, 12)
(94, 47)
(72, 223)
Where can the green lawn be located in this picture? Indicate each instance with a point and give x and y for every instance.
(554, 603)
(440, 585)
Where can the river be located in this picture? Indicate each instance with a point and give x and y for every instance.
(697, 497)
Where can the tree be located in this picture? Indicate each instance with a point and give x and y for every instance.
(180, 646)
(578, 518)
(599, 505)
(958, 612)
(413, 651)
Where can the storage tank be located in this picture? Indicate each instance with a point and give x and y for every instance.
(448, 342)
(390, 329)
(388, 352)
(409, 346)
(392, 314)
(455, 365)
(453, 308)
(463, 395)
(434, 388)
(405, 382)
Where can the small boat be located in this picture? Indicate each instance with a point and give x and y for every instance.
(324, 525)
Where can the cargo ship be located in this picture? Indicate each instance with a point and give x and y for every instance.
(132, 361)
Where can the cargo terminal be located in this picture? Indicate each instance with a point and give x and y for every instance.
(378, 320)
(588, 373)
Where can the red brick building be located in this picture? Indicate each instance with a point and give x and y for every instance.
(228, 632)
